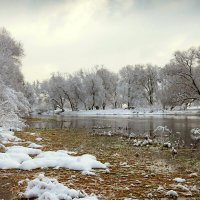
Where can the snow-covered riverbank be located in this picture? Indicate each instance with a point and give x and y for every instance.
(125, 112)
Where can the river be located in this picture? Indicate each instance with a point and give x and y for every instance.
(180, 125)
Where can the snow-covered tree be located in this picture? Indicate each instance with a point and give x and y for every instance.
(183, 73)
(13, 104)
(146, 79)
(11, 53)
(94, 90)
(53, 89)
(128, 84)
(109, 86)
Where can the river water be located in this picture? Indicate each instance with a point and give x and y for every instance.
(129, 124)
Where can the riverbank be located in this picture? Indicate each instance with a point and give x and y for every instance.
(134, 171)
(125, 112)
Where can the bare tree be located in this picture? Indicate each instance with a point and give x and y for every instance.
(127, 79)
(184, 75)
(146, 77)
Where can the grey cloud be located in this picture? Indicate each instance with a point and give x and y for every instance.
(66, 35)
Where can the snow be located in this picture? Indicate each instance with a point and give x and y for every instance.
(192, 175)
(194, 188)
(34, 145)
(167, 144)
(160, 188)
(121, 112)
(47, 188)
(195, 133)
(8, 164)
(172, 193)
(182, 187)
(62, 160)
(7, 136)
(124, 164)
(150, 195)
(88, 173)
(38, 139)
(142, 142)
(12, 160)
(179, 180)
(33, 133)
(17, 157)
(21, 149)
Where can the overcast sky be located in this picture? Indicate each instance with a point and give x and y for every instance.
(66, 35)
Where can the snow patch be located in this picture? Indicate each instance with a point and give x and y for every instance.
(38, 139)
(171, 193)
(7, 136)
(47, 188)
(34, 145)
(179, 180)
(88, 173)
(21, 149)
(62, 160)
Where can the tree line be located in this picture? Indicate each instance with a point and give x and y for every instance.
(175, 84)
(13, 103)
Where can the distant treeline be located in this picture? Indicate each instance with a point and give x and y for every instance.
(175, 84)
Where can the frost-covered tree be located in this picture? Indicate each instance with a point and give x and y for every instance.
(53, 89)
(11, 53)
(79, 89)
(183, 72)
(13, 104)
(146, 78)
(113, 92)
(166, 92)
(109, 86)
(30, 93)
(94, 90)
(128, 84)
(177, 83)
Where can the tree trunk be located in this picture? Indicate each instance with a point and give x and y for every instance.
(129, 94)
(93, 101)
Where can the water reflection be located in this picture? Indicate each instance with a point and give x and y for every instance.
(133, 124)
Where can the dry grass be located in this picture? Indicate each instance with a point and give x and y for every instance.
(148, 167)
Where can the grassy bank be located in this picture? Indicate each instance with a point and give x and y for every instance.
(135, 172)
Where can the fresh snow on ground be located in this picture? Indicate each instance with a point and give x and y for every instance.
(38, 139)
(62, 160)
(171, 193)
(17, 157)
(179, 180)
(7, 136)
(88, 173)
(182, 187)
(25, 150)
(46, 188)
(34, 145)
(194, 174)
